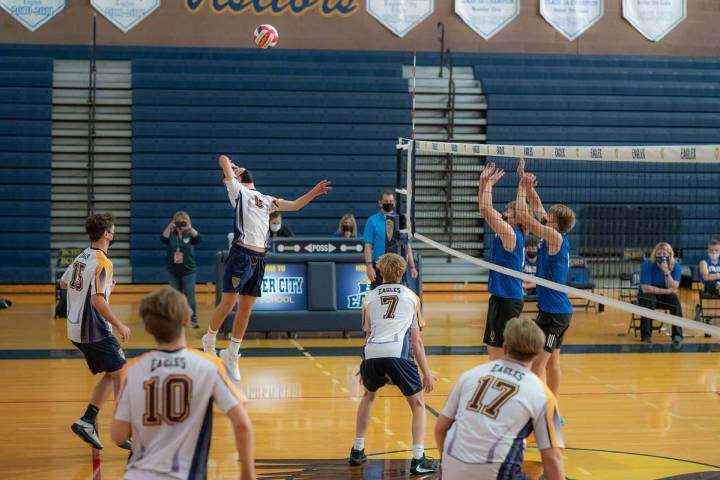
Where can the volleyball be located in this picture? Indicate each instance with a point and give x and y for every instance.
(266, 36)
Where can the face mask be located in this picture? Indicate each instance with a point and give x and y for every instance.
(388, 207)
(661, 259)
(531, 255)
(714, 256)
(275, 227)
(347, 228)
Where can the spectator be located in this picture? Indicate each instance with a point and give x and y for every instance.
(659, 284)
(181, 238)
(277, 227)
(382, 235)
(347, 228)
(530, 265)
(710, 268)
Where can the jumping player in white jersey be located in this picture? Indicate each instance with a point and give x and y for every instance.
(89, 281)
(167, 396)
(392, 321)
(493, 408)
(245, 264)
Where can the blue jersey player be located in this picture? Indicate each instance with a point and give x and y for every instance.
(553, 263)
(506, 299)
(245, 263)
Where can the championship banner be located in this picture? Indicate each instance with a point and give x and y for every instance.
(32, 13)
(654, 18)
(571, 17)
(668, 154)
(125, 14)
(487, 17)
(400, 16)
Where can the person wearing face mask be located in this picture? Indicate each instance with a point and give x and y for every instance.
(506, 292)
(530, 265)
(180, 238)
(382, 235)
(277, 227)
(659, 285)
(710, 268)
(347, 228)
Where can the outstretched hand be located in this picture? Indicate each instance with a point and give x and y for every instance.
(521, 167)
(491, 175)
(528, 180)
(322, 188)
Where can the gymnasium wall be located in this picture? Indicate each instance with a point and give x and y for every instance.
(176, 24)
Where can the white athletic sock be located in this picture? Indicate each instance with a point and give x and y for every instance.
(211, 332)
(359, 443)
(235, 345)
(418, 451)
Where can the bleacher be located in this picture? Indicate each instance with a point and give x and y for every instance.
(570, 100)
(291, 119)
(25, 154)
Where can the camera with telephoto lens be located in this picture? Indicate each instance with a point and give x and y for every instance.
(181, 224)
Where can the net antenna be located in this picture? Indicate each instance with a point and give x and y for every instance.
(660, 154)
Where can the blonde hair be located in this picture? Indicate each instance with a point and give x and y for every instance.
(564, 216)
(523, 338)
(348, 216)
(667, 246)
(392, 267)
(163, 313)
(181, 215)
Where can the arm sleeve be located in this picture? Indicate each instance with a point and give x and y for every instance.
(646, 273)
(122, 409)
(453, 401)
(546, 424)
(164, 239)
(103, 275)
(233, 189)
(368, 232)
(677, 272)
(195, 240)
(67, 274)
(225, 393)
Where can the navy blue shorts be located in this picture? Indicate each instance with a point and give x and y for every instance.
(103, 356)
(378, 372)
(244, 272)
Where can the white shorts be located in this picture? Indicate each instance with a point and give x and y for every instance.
(453, 469)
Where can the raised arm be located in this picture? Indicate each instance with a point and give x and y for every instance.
(322, 188)
(489, 177)
(550, 235)
(227, 167)
(532, 196)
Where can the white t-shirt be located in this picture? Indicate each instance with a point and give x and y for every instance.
(167, 398)
(389, 312)
(495, 407)
(252, 214)
(90, 273)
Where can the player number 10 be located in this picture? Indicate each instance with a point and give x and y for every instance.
(177, 392)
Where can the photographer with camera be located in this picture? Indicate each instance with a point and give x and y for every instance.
(659, 286)
(180, 238)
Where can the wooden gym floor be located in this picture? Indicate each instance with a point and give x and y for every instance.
(632, 411)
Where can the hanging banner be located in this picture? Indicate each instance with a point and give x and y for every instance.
(571, 17)
(125, 14)
(654, 18)
(32, 13)
(400, 16)
(487, 17)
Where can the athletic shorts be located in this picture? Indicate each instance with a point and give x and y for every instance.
(452, 468)
(244, 272)
(500, 311)
(103, 356)
(403, 373)
(554, 326)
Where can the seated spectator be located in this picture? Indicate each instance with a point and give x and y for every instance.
(530, 265)
(710, 268)
(277, 227)
(659, 285)
(347, 228)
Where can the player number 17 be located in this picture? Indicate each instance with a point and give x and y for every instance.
(507, 391)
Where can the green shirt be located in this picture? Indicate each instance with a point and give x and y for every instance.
(182, 248)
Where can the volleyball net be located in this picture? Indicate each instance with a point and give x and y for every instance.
(626, 201)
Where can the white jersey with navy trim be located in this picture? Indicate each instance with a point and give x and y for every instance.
(91, 273)
(252, 214)
(389, 312)
(167, 397)
(495, 407)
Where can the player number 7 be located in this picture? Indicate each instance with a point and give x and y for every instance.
(391, 301)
